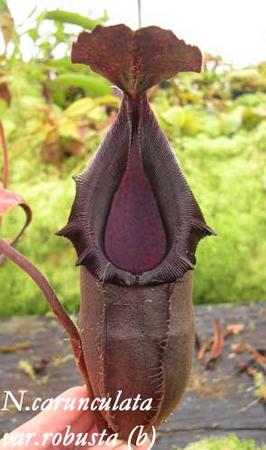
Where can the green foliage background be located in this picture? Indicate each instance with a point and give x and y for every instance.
(230, 442)
(216, 123)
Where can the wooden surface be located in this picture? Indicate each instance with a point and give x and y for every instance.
(218, 401)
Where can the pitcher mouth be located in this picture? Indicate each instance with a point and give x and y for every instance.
(135, 171)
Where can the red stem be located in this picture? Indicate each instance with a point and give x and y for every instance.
(5, 157)
(50, 296)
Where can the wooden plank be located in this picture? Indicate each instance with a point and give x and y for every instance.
(218, 401)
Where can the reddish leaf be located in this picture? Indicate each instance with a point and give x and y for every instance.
(205, 348)
(240, 347)
(211, 343)
(217, 345)
(5, 93)
(6, 26)
(3, 144)
(8, 200)
(234, 329)
(259, 356)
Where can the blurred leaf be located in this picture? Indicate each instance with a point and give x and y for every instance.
(68, 128)
(232, 121)
(62, 141)
(8, 200)
(5, 92)
(182, 120)
(246, 80)
(73, 18)
(6, 25)
(60, 33)
(235, 328)
(79, 108)
(34, 33)
(83, 106)
(27, 368)
(260, 386)
(175, 116)
(252, 117)
(192, 124)
(230, 442)
(15, 346)
(92, 84)
(3, 6)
